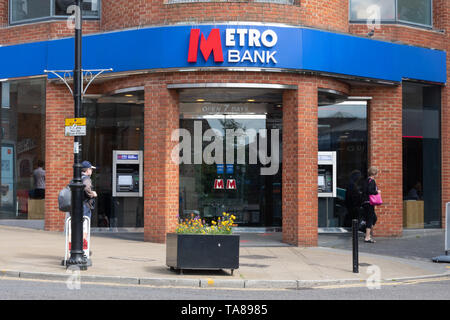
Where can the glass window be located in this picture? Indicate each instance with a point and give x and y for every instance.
(369, 9)
(237, 180)
(407, 11)
(277, 1)
(22, 149)
(31, 10)
(415, 11)
(90, 7)
(343, 128)
(421, 155)
(114, 122)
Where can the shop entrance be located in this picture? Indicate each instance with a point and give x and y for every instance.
(114, 122)
(231, 149)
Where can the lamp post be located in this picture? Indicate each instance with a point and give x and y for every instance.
(77, 257)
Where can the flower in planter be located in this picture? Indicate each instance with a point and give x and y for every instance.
(194, 225)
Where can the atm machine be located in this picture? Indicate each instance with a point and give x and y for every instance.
(327, 176)
(327, 183)
(127, 173)
(127, 187)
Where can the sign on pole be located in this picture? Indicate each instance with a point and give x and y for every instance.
(75, 127)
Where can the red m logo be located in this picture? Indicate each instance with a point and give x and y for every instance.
(218, 184)
(213, 44)
(231, 184)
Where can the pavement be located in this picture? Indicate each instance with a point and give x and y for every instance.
(265, 262)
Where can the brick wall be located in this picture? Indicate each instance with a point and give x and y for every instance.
(442, 21)
(37, 31)
(161, 174)
(326, 14)
(299, 178)
(58, 152)
(120, 14)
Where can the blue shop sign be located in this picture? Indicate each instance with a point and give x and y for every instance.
(230, 46)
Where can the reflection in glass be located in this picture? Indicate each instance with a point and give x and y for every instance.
(235, 186)
(422, 154)
(29, 9)
(364, 9)
(415, 11)
(343, 128)
(24, 10)
(90, 7)
(113, 123)
(22, 147)
(410, 11)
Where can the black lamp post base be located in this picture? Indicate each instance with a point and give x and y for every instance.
(82, 264)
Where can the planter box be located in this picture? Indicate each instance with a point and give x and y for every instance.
(196, 251)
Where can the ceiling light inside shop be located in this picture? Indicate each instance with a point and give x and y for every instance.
(251, 100)
(235, 116)
(200, 100)
(128, 95)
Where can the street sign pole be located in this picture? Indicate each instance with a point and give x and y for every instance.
(77, 257)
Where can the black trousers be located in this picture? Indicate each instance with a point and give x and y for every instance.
(370, 216)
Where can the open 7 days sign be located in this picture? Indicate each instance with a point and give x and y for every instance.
(244, 45)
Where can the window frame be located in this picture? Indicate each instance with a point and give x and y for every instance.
(396, 19)
(52, 15)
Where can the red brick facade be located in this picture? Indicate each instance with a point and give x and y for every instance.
(300, 145)
(58, 152)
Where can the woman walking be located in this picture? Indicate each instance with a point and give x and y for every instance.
(370, 188)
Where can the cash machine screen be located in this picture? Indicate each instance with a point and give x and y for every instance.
(127, 178)
(325, 178)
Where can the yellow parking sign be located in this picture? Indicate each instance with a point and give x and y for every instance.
(75, 127)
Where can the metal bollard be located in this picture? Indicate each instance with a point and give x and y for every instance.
(355, 226)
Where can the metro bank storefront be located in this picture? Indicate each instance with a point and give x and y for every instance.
(229, 118)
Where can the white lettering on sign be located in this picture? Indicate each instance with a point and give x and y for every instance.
(251, 38)
(258, 56)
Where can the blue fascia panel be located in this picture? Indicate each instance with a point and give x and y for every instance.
(366, 58)
(167, 47)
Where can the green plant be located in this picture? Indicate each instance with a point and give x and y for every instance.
(195, 225)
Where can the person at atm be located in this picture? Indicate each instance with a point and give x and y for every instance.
(89, 194)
